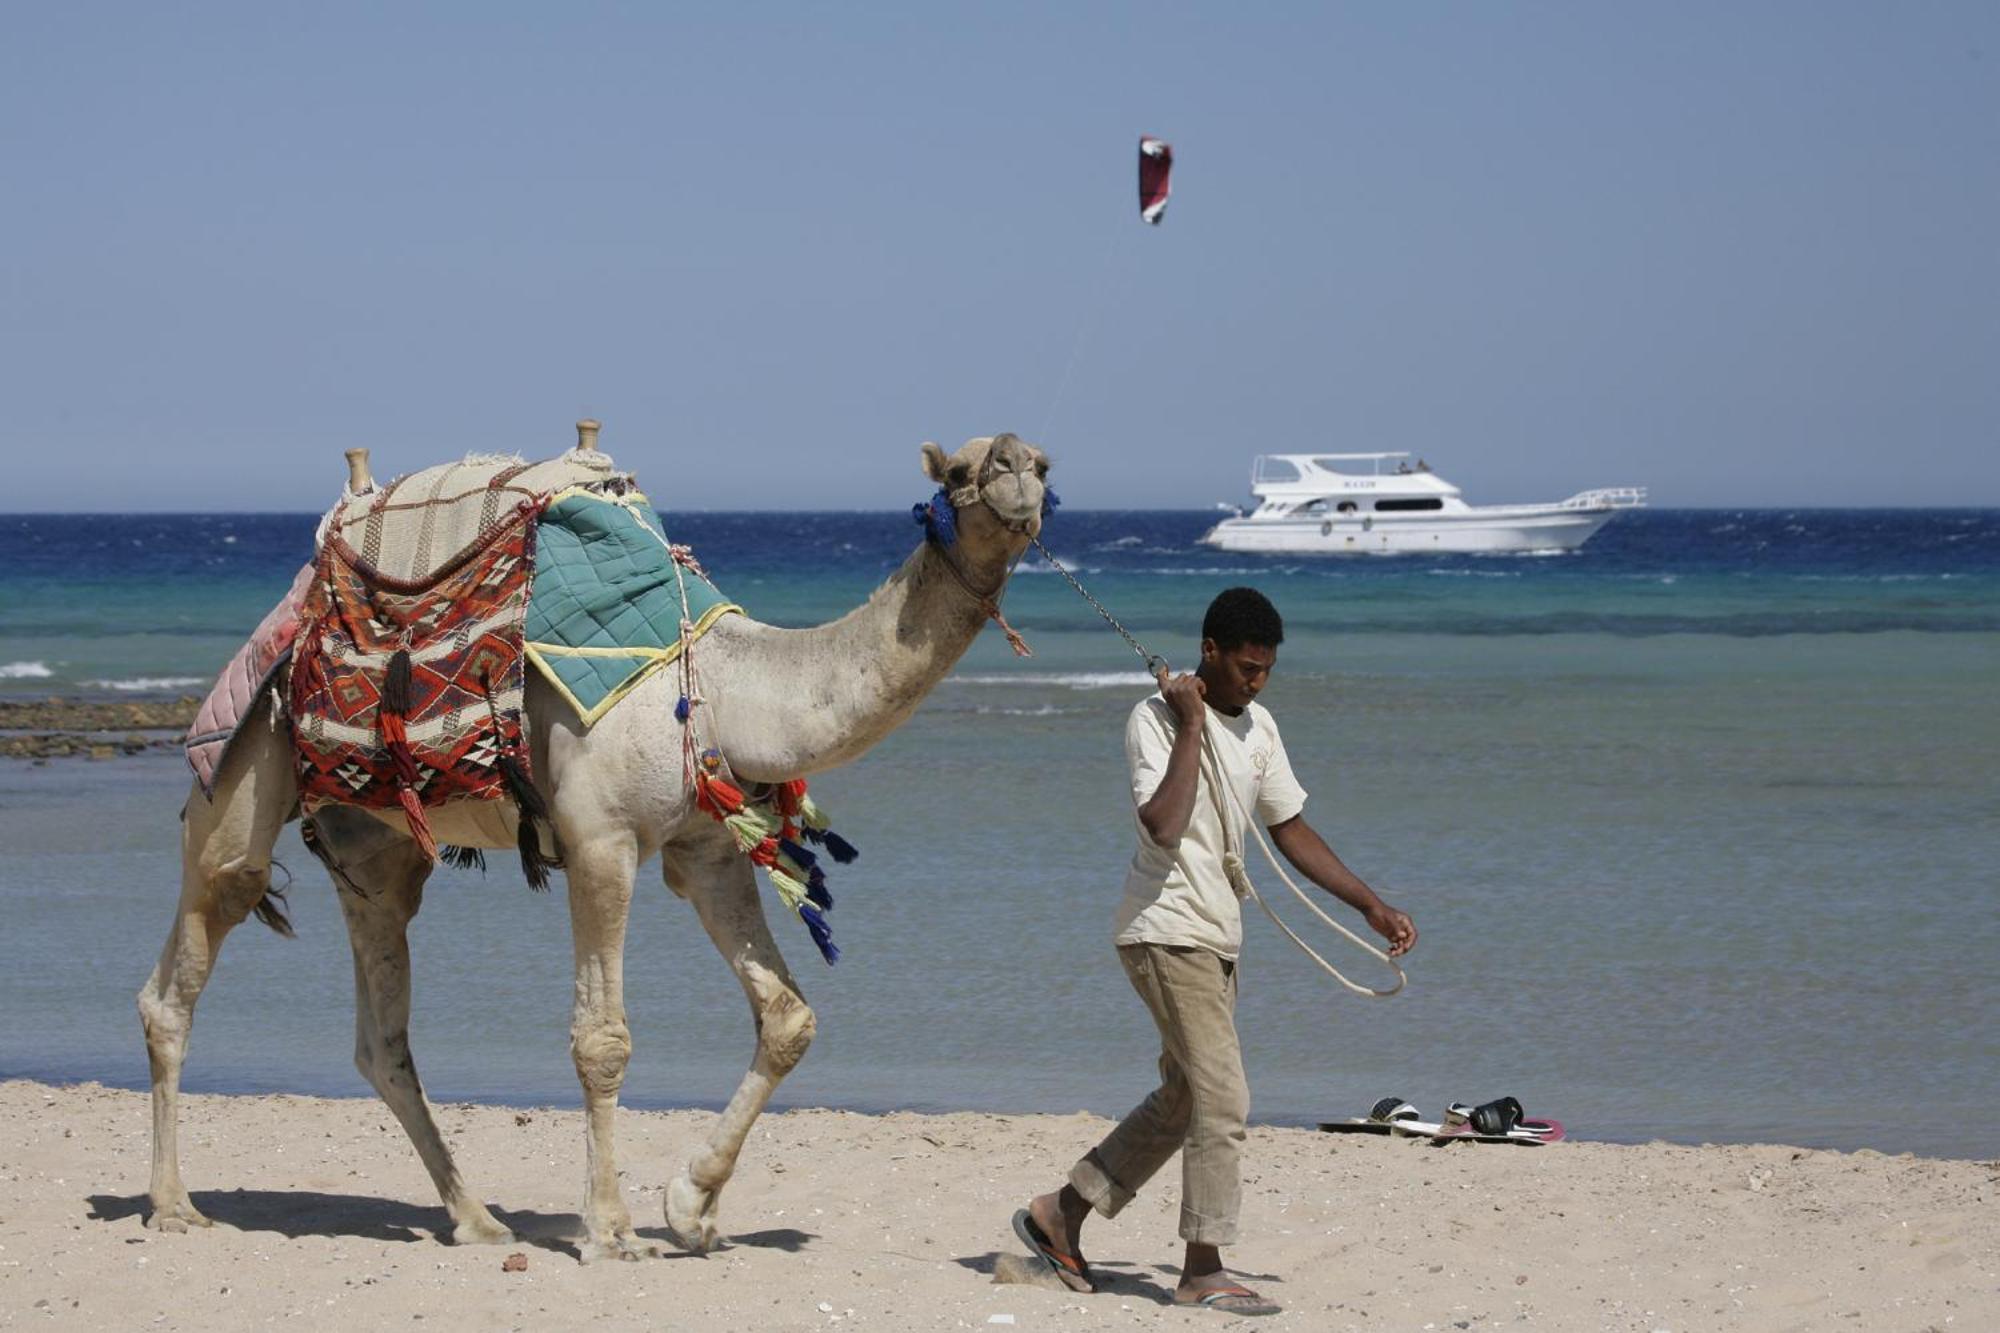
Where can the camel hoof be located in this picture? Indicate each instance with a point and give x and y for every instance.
(623, 1247)
(175, 1218)
(482, 1229)
(691, 1215)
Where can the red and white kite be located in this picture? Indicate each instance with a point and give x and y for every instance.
(1156, 165)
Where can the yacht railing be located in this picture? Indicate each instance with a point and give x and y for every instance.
(1609, 497)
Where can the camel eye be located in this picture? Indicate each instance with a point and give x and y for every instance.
(1042, 467)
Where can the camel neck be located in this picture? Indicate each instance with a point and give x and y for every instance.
(792, 702)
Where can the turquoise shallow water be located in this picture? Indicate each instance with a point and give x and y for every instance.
(1699, 827)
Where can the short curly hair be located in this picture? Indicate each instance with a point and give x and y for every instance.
(1242, 615)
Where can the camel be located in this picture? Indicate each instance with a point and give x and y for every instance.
(783, 704)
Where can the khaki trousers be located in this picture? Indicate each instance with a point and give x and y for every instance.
(1199, 1109)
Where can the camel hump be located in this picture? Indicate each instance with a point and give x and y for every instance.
(419, 524)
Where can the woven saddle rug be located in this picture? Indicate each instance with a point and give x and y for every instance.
(407, 679)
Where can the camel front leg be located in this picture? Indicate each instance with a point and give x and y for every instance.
(723, 887)
(225, 872)
(600, 872)
(381, 876)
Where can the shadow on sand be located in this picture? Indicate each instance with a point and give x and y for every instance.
(1130, 1281)
(297, 1213)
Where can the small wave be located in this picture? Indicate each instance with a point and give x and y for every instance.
(1210, 571)
(1473, 573)
(1119, 543)
(24, 671)
(1044, 567)
(137, 684)
(1070, 680)
(1046, 710)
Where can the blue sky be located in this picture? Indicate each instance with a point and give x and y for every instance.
(1743, 254)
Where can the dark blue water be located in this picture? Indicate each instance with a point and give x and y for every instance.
(96, 602)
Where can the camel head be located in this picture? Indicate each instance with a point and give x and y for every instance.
(997, 486)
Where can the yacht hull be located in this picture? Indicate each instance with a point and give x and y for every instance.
(1522, 530)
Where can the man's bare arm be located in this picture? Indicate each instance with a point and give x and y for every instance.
(1310, 855)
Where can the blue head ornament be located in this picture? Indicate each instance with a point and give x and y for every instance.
(937, 518)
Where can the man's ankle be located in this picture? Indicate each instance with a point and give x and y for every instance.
(1201, 1261)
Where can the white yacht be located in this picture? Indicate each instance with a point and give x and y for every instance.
(1382, 504)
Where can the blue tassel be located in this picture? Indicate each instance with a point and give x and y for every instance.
(816, 926)
(681, 710)
(840, 848)
(812, 835)
(939, 523)
(816, 890)
(1050, 502)
(806, 860)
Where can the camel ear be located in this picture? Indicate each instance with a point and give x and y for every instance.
(935, 462)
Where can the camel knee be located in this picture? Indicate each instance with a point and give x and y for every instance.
(164, 1023)
(385, 1065)
(364, 1058)
(785, 1028)
(236, 887)
(601, 1052)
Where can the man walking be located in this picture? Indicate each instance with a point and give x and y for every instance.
(1179, 929)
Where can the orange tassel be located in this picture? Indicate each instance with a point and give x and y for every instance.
(420, 827)
(717, 796)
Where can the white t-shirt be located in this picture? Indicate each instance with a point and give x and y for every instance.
(1161, 905)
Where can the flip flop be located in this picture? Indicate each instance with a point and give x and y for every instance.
(1387, 1115)
(1073, 1272)
(1232, 1299)
(1501, 1118)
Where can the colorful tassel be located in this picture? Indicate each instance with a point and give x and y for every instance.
(823, 937)
(769, 823)
(413, 812)
(746, 828)
(681, 710)
(789, 889)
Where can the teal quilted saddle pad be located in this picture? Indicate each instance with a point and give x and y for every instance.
(606, 608)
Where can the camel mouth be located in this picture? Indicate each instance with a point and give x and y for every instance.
(1016, 499)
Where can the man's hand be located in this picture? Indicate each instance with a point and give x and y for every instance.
(1393, 926)
(1185, 694)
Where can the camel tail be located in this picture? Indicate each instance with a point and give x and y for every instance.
(270, 909)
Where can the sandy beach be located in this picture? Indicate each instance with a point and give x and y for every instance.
(900, 1222)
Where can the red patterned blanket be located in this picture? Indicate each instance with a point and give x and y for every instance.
(407, 693)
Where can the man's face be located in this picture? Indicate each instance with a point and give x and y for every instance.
(1235, 676)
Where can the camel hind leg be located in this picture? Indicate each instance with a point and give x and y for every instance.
(225, 874)
(380, 874)
(723, 888)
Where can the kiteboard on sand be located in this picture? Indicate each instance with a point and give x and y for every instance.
(1498, 1121)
